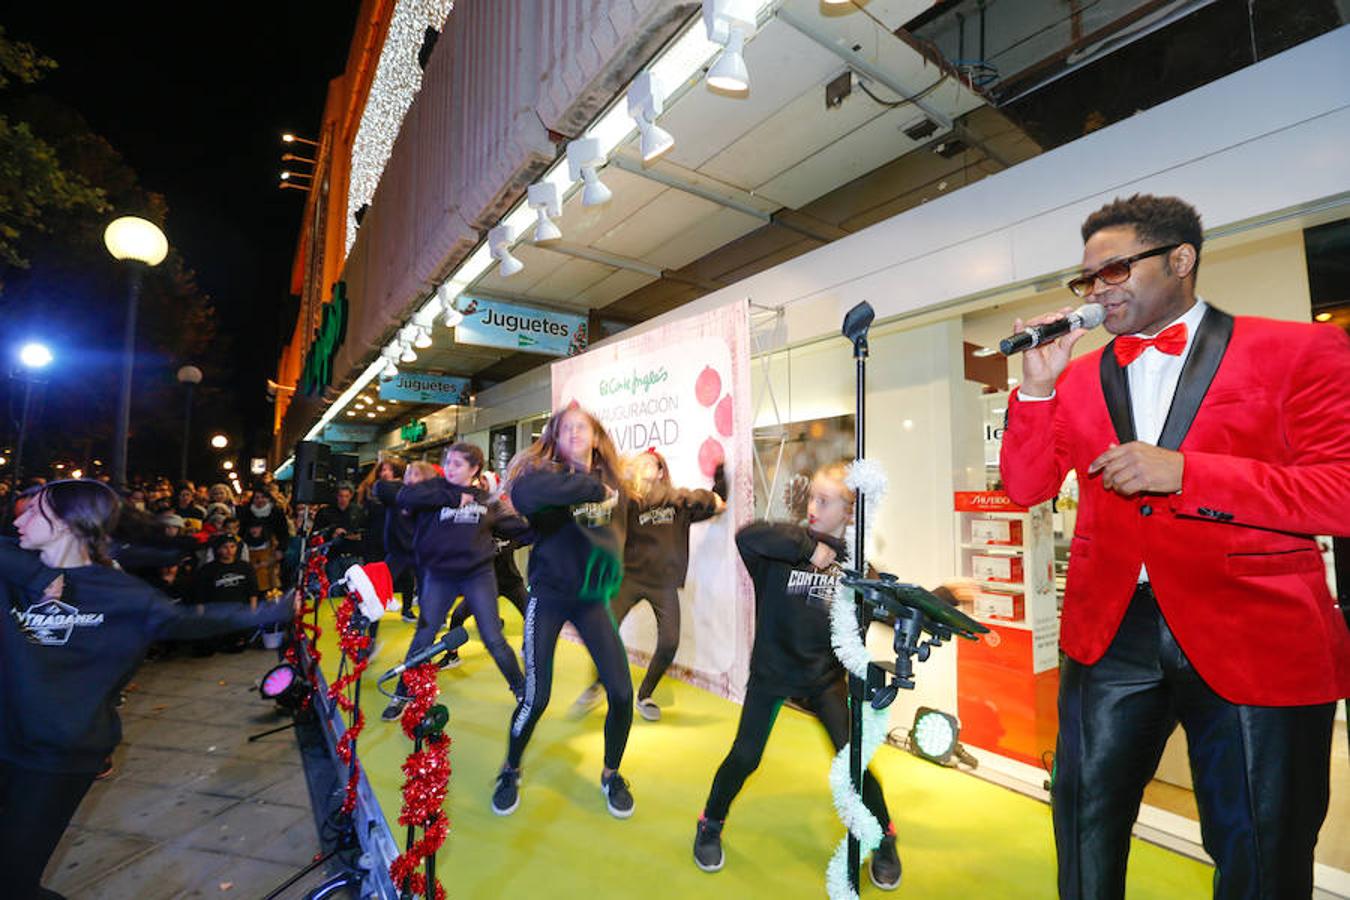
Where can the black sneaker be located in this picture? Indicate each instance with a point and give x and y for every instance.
(450, 660)
(708, 845)
(106, 771)
(409, 616)
(506, 796)
(617, 796)
(885, 868)
(394, 709)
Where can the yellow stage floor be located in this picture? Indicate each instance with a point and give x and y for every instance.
(959, 836)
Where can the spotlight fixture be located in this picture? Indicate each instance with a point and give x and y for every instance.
(729, 23)
(409, 355)
(423, 340)
(286, 686)
(646, 100)
(388, 373)
(543, 198)
(583, 156)
(446, 295)
(499, 245)
(934, 737)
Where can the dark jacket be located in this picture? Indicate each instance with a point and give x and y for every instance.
(220, 582)
(454, 526)
(656, 549)
(62, 660)
(275, 520)
(398, 525)
(577, 551)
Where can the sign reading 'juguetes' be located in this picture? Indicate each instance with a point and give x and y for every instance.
(494, 323)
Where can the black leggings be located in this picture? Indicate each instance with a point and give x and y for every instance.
(509, 585)
(758, 713)
(405, 582)
(665, 602)
(480, 597)
(544, 619)
(35, 808)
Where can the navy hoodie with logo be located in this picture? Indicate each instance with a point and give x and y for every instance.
(454, 526)
(656, 550)
(578, 546)
(64, 658)
(398, 525)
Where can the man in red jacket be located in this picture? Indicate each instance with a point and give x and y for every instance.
(1209, 449)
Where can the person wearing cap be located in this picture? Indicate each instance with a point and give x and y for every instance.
(227, 579)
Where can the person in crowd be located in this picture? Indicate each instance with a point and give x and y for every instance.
(60, 569)
(261, 552)
(1209, 450)
(263, 506)
(343, 516)
(655, 560)
(570, 487)
(227, 579)
(136, 498)
(186, 506)
(202, 495)
(454, 523)
(374, 547)
(221, 493)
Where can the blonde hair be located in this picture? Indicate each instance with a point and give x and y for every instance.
(630, 466)
(544, 453)
(419, 471)
(837, 471)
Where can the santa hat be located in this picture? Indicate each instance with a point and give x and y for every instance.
(373, 587)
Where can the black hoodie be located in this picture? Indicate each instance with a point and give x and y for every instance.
(578, 543)
(63, 660)
(656, 550)
(454, 526)
(398, 525)
(792, 652)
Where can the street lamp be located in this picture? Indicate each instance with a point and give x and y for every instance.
(219, 441)
(140, 244)
(189, 377)
(34, 357)
(289, 138)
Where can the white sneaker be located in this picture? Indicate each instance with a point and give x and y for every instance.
(648, 709)
(589, 700)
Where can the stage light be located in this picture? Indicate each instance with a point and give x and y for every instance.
(284, 685)
(35, 356)
(934, 737)
(728, 23)
(388, 373)
(499, 245)
(544, 199)
(583, 156)
(646, 100)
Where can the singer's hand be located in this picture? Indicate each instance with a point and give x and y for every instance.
(1137, 468)
(1042, 366)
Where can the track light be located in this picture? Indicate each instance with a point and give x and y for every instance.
(499, 245)
(729, 23)
(447, 297)
(423, 338)
(583, 156)
(646, 99)
(543, 198)
(388, 373)
(408, 355)
(934, 737)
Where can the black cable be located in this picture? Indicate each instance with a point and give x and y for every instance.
(893, 104)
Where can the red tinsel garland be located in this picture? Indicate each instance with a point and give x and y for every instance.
(427, 778)
(306, 630)
(353, 642)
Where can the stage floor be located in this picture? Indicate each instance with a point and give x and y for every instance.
(959, 836)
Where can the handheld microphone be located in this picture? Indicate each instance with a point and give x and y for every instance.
(1089, 315)
(453, 640)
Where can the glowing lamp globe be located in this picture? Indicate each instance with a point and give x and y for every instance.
(134, 238)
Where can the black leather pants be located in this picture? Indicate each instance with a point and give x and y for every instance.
(1261, 773)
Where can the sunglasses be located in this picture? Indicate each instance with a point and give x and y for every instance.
(1115, 272)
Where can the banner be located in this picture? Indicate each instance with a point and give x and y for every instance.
(684, 388)
(424, 387)
(495, 323)
(341, 432)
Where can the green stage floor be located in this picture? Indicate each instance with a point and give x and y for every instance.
(959, 836)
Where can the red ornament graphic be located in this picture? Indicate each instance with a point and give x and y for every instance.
(708, 386)
(723, 416)
(710, 456)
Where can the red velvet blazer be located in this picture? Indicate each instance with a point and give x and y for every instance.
(1262, 415)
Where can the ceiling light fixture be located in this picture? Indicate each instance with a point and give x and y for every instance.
(646, 100)
(729, 23)
(545, 200)
(583, 156)
(499, 243)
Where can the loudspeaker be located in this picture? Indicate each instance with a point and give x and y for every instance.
(345, 467)
(314, 481)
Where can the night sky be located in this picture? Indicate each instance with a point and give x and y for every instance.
(195, 99)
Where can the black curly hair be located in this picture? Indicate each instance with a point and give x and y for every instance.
(1160, 220)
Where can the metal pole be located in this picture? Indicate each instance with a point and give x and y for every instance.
(128, 362)
(16, 472)
(187, 433)
(856, 686)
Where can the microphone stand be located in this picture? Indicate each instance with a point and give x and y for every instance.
(856, 324)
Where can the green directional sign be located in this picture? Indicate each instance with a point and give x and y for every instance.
(317, 372)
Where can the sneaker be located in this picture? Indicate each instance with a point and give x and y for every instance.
(106, 770)
(394, 709)
(885, 867)
(450, 660)
(649, 710)
(409, 616)
(708, 845)
(589, 700)
(506, 796)
(617, 796)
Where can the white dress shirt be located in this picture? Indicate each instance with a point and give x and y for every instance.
(1153, 378)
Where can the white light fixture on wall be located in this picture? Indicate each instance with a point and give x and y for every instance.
(499, 242)
(646, 100)
(729, 23)
(423, 340)
(543, 198)
(445, 295)
(583, 156)
(390, 356)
